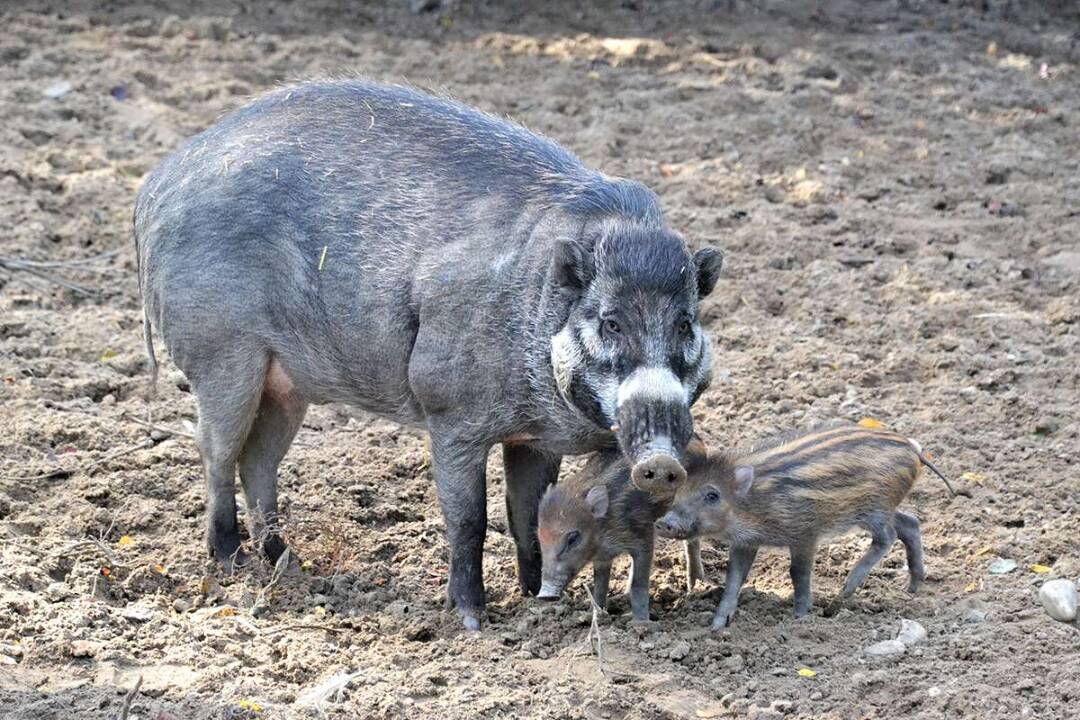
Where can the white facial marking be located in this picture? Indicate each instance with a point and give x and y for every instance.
(566, 357)
(652, 383)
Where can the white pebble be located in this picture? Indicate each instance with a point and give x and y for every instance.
(1059, 599)
(886, 648)
(911, 633)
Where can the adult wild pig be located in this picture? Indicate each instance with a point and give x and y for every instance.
(373, 245)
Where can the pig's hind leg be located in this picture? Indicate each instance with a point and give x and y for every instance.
(907, 529)
(278, 418)
(528, 475)
(883, 535)
(228, 387)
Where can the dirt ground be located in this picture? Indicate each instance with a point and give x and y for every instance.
(897, 188)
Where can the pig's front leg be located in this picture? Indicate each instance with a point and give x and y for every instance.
(739, 561)
(601, 581)
(459, 468)
(528, 475)
(639, 582)
(694, 569)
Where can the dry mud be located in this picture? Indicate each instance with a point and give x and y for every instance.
(896, 185)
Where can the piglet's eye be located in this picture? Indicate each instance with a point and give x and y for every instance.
(572, 539)
(712, 497)
(612, 327)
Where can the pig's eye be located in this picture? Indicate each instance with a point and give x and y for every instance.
(572, 539)
(712, 497)
(685, 328)
(611, 327)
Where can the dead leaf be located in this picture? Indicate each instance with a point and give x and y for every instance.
(871, 424)
(1040, 569)
(807, 673)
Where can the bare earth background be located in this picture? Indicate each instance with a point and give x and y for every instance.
(897, 189)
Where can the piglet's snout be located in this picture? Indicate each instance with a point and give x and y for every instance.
(673, 526)
(549, 591)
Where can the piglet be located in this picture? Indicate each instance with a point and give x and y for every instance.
(599, 514)
(796, 489)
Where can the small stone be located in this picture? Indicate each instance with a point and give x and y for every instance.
(158, 435)
(817, 695)
(934, 691)
(1059, 599)
(784, 707)
(679, 650)
(727, 699)
(12, 650)
(1001, 566)
(108, 400)
(885, 648)
(84, 649)
(735, 663)
(911, 633)
(171, 26)
(181, 605)
(974, 616)
(756, 712)
(58, 90)
(137, 613)
(319, 599)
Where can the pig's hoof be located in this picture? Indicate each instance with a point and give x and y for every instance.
(273, 548)
(720, 623)
(658, 474)
(471, 621)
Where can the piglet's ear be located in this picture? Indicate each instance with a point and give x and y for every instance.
(572, 266)
(597, 501)
(708, 261)
(744, 478)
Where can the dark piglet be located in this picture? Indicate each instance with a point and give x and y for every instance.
(373, 245)
(598, 515)
(795, 490)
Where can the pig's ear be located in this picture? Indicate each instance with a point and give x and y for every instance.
(708, 261)
(572, 267)
(744, 478)
(597, 501)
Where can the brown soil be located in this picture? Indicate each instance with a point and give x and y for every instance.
(897, 187)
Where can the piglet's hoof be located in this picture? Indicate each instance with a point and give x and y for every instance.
(470, 619)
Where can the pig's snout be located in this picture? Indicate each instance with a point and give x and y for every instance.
(660, 473)
(673, 525)
(653, 421)
(549, 591)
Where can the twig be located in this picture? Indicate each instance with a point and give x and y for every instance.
(87, 467)
(77, 264)
(126, 707)
(160, 428)
(301, 626)
(594, 633)
(12, 265)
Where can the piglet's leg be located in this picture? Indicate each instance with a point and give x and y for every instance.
(739, 562)
(601, 581)
(694, 569)
(883, 536)
(639, 582)
(802, 571)
(907, 528)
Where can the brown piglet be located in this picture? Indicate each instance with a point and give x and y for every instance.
(599, 514)
(796, 489)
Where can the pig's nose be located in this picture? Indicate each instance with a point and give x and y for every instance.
(549, 592)
(665, 526)
(660, 473)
